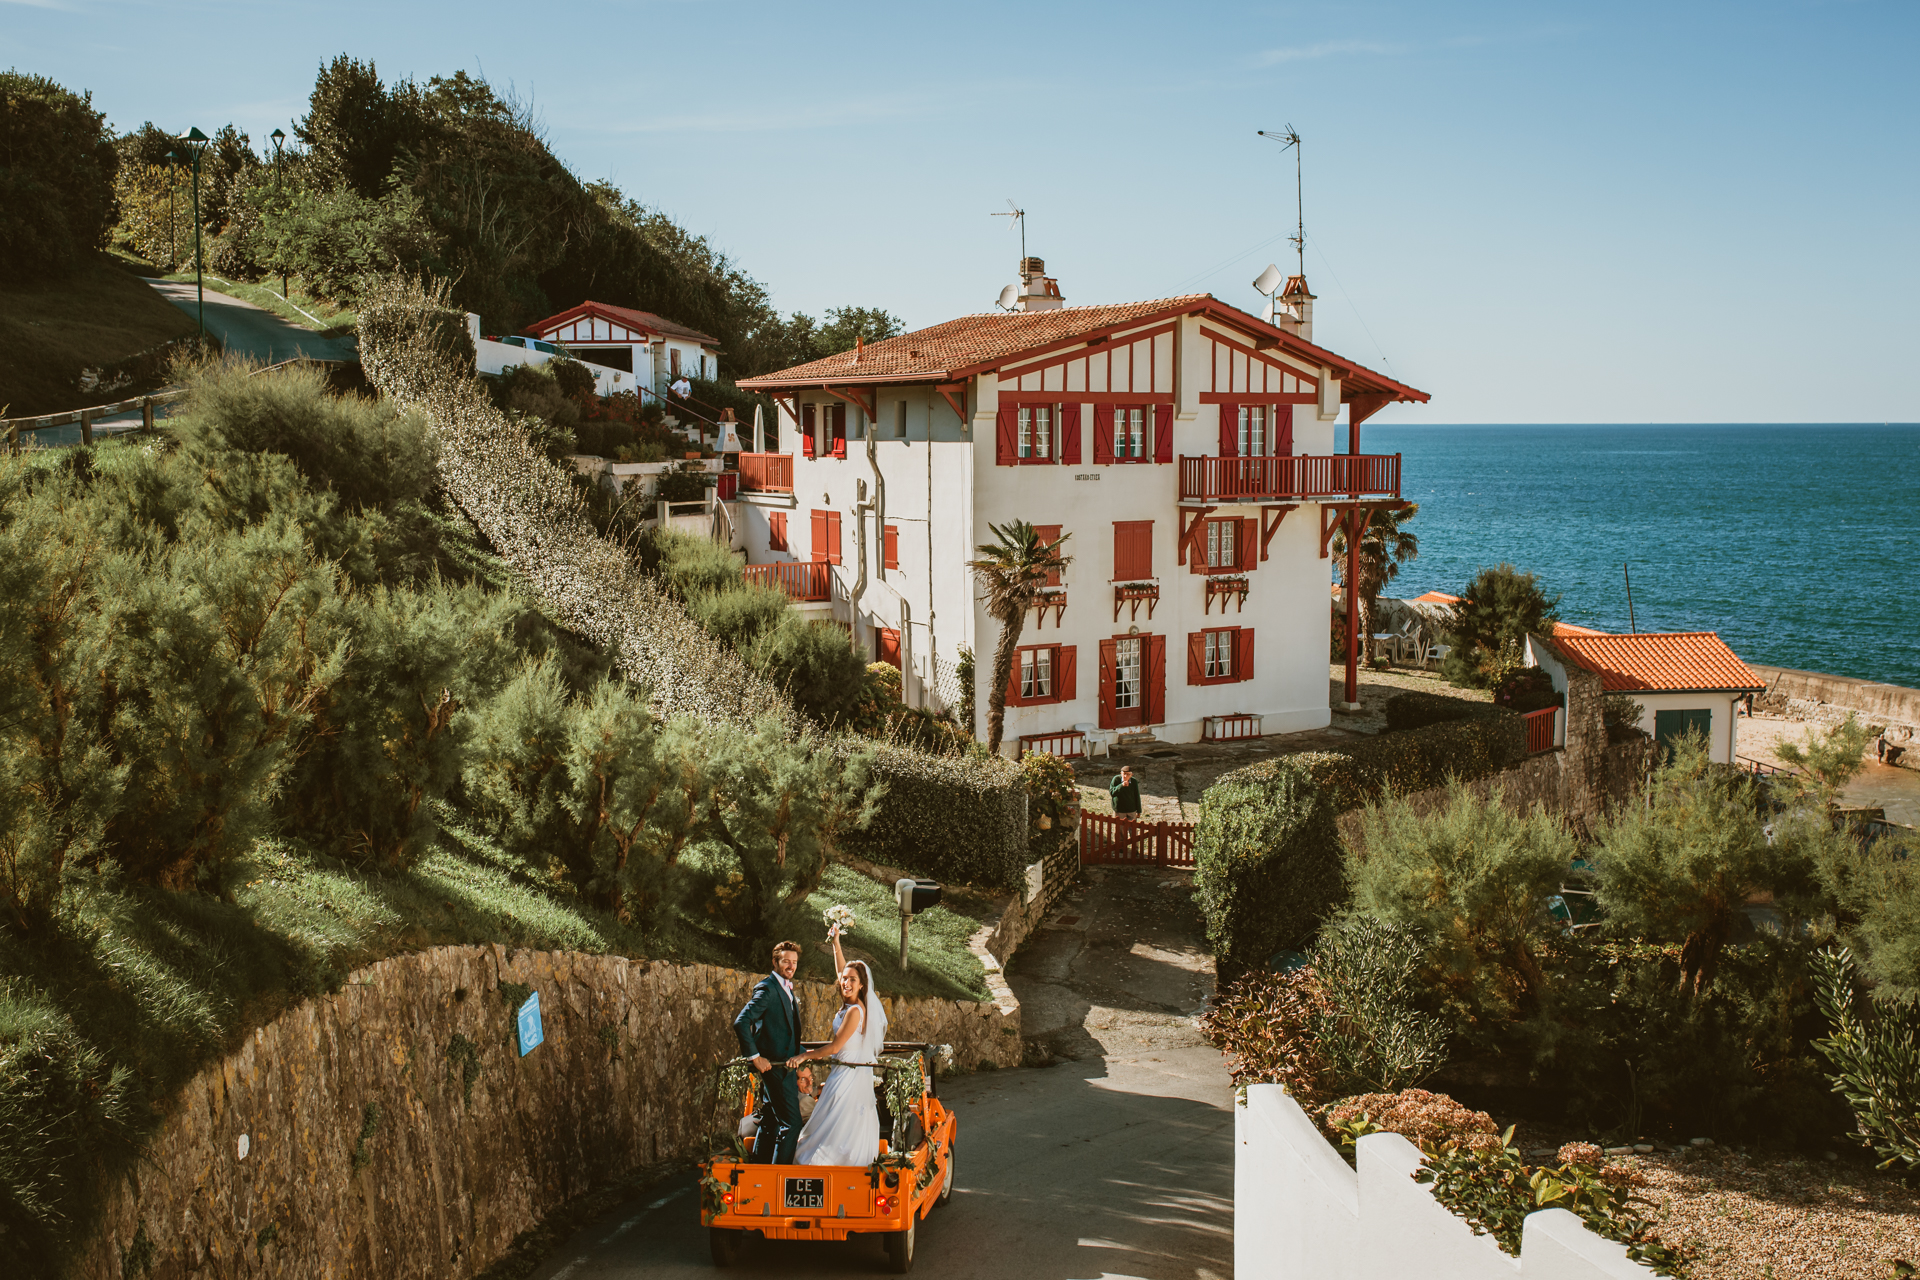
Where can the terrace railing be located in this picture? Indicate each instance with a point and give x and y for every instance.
(800, 579)
(1210, 479)
(1540, 730)
(766, 472)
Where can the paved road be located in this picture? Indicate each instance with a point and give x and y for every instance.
(1116, 1161)
(250, 330)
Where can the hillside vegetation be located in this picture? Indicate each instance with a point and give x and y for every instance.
(53, 331)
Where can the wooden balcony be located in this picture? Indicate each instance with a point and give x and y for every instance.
(800, 579)
(1299, 477)
(766, 473)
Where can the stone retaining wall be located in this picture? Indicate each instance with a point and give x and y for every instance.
(1893, 711)
(393, 1129)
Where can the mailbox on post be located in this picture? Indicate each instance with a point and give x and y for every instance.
(913, 895)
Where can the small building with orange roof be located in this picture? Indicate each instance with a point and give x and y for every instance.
(1684, 681)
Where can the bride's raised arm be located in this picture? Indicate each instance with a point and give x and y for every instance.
(839, 960)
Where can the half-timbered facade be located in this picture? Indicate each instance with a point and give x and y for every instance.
(654, 348)
(1181, 449)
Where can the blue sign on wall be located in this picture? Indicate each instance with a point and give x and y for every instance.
(529, 1024)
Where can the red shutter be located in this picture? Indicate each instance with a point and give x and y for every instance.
(817, 545)
(1229, 429)
(1282, 429)
(1197, 555)
(833, 537)
(1156, 679)
(1196, 657)
(1070, 435)
(890, 552)
(1163, 433)
(1013, 681)
(890, 647)
(1132, 550)
(777, 531)
(1006, 436)
(806, 445)
(1102, 433)
(1063, 674)
(1243, 654)
(1109, 657)
(1246, 547)
(1047, 535)
(839, 434)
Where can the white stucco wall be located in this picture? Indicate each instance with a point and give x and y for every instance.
(1301, 1214)
(1723, 737)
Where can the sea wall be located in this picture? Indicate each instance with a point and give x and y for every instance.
(394, 1129)
(1892, 710)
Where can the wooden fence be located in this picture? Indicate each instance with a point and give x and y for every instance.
(1540, 730)
(1120, 840)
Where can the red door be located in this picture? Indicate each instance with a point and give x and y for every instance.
(889, 647)
(1124, 663)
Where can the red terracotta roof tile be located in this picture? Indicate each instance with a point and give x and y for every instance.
(1678, 661)
(1575, 629)
(1437, 597)
(972, 344)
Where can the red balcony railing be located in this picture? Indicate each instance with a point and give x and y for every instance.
(800, 579)
(766, 472)
(1540, 730)
(1297, 476)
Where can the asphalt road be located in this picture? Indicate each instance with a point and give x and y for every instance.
(249, 330)
(1115, 1161)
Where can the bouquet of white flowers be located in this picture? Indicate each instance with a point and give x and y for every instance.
(839, 917)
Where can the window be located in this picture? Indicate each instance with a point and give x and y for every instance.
(1222, 655)
(777, 531)
(1126, 674)
(1042, 673)
(1129, 433)
(1220, 540)
(890, 547)
(1254, 436)
(1132, 550)
(826, 536)
(809, 443)
(673, 360)
(1036, 433)
(836, 418)
(1046, 535)
(899, 419)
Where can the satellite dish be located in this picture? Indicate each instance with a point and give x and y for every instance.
(1009, 296)
(1270, 280)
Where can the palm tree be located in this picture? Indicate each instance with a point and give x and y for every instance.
(1012, 570)
(1384, 547)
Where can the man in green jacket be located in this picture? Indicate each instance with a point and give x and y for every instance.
(1125, 791)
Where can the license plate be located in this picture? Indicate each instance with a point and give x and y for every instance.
(806, 1193)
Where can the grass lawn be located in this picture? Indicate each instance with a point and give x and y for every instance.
(938, 962)
(100, 315)
(309, 312)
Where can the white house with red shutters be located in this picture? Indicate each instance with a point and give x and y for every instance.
(1181, 448)
(625, 349)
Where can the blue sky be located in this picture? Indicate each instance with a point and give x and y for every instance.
(1538, 212)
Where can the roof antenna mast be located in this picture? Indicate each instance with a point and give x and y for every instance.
(1019, 217)
(1291, 138)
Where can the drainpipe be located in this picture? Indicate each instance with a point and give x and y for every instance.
(879, 498)
(860, 510)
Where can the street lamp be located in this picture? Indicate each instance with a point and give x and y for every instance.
(279, 136)
(197, 144)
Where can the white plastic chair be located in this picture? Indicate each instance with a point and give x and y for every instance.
(1096, 737)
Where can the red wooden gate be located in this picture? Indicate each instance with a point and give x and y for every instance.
(1118, 840)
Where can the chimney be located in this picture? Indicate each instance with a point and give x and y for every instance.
(1292, 310)
(1038, 290)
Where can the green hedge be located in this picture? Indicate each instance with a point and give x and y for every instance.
(1267, 863)
(1418, 710)
(960, 818)
(1268, 866)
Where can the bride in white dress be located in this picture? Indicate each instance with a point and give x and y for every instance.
(845, 1126)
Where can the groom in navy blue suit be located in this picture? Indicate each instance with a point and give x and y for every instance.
(769, 1031)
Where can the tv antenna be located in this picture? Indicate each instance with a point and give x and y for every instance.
(1019, 217)
(1291, 138)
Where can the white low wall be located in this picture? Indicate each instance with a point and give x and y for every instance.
(1301, 1214)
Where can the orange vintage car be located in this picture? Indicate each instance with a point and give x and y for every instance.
(911, 1174)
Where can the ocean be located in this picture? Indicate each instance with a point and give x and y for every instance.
(1800, 545)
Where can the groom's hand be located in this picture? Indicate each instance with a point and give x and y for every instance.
(761, 1065)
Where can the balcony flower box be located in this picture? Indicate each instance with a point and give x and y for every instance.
(1223, 588)
(1135, 594)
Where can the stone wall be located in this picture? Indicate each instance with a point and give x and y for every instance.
(393, 1129)
(1888, 709)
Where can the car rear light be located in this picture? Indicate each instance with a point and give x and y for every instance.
(727, 1198)
(882, 1203)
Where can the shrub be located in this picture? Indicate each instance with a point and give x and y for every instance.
(1264, 1024)
(1885, 903)
(1052, 801)
(1471, 879)
(1418, 710)
(1417, 760)
(56, 183)
(1681, 867)
(1429, 1120)
(1497, 611)
(1875, 1053)
(957, 817)
(815, 665)
(1830, 760)
(1525, 689)
(1621, 715)
(1372, 1033)
(739, 618)
(1266, 863)
(336, 240)
(692, 566)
